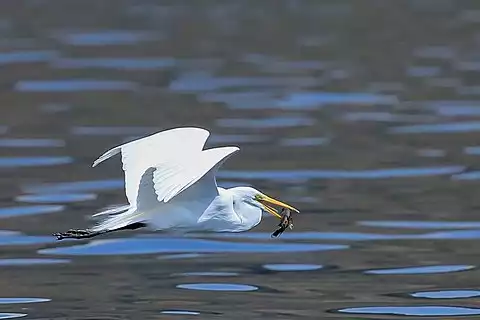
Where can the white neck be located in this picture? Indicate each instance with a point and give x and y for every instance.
(249, 214)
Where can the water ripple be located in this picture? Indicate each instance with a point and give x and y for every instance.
(31, 143)
(351, 236)
(217, 287)
(74, 85)
(452, 235)
(170, 245)
(473, 175)
(310, 100)
(447, 294)
(304, 142)
(180, 312)
(56, 197)
(116, 63)
(104, 37)
(180, 256)
(414, 310)
(22, 300)
(4, 315)
(416, 224)
(267, 123)
(10, 238)
(27, 56)
(208, 274)
(12, 162)
(199, 82)
(285, 175)
(467, 126)
(31, 262)
(292, 267)
(79, 186)
(422, 269)
(29, 210)
(107, 131)
(236, 138)
(472, 150)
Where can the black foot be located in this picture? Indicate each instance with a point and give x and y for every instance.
(78, 234)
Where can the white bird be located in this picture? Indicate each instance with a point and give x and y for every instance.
(170, 185)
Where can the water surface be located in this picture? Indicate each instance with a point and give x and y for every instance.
(363, 115)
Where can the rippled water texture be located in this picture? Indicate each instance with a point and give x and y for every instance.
(363, 114)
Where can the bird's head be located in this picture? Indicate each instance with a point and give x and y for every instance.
(264, 202)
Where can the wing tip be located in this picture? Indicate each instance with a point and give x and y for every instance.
(106, 155)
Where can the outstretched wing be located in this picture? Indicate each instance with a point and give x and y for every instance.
(141, 154)
(195, 174)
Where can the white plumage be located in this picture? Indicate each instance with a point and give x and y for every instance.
(170, 185)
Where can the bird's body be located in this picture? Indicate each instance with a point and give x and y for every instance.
(170, 185)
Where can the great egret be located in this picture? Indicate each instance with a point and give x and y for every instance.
(170, 185)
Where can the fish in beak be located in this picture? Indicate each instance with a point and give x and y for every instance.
(267, 203)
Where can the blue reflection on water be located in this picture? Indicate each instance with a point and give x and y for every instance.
(472, 150)
(116, 63)
(423, 71)
(180, 312)
(447, 294)
(416, 224)
(273, 122)
(27, 56)
(292, 267)
(29, 210)
(217, 287)
(198, 82)
(422, 269)
(340, 174)
(12, 162)
(456, 110)
(31, 143)
(56, 198)
(466, 126)
(4, 315)
(180, 256)
(16, 238)
(236, 138)
(352, 236)
(74, 85)
(110, 130)
(473, 175)
(241, 100)
(319, 99)
(452, 235)
(431, 153)
(79, 186)
(304, 142)
(170, 245)
(208, 274)
(31, 261)
(414, 310)
(382, 117)
(22, 300)
(435, 52)
(104, 37)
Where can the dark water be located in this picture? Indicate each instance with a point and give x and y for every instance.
(364, 114)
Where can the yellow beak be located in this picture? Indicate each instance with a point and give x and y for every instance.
(266, 199)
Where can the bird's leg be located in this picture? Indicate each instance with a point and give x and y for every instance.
(79, 234)
(85, 233)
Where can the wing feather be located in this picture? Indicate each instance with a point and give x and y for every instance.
(170, 178)
(141, 154)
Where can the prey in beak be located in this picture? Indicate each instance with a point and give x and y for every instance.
(267, 203)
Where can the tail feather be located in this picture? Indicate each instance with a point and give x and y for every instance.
(112, 210)
(121, 220)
